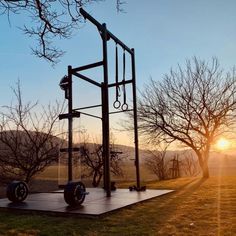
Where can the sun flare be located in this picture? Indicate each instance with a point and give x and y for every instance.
(222, 144)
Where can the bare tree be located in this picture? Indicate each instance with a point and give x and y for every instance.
(92, 160)
(189, 165)
(49, 20)
(192, 105)
(157, 163)
(27, 142)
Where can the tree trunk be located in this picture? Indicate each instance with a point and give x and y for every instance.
(94, 182)
(205, 170)
(203, 161)
(96, 179)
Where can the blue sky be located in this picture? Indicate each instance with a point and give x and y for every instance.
(163, 33)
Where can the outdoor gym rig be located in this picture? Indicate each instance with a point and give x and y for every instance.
(74, 192)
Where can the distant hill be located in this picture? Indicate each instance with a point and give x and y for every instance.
(219, 163)
(223, 163)
(22, 135)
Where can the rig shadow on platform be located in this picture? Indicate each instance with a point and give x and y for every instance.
(95, 204)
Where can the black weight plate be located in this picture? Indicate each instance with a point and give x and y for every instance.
(17, 191)
(74, 193)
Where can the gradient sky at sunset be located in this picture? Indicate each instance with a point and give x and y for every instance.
(163, 33)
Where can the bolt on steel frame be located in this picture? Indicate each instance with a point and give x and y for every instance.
(104, 86)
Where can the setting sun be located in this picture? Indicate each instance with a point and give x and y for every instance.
(222, 144)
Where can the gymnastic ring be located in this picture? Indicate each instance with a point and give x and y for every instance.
(116, 104)
(124, 107)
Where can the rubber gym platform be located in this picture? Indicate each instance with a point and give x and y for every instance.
(95, 204)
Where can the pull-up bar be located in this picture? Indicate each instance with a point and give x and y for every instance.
(101, 28)
(86, 67)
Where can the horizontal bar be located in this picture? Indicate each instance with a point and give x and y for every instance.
(115, 112)
(67, 149)
(120, 83)
(89, 17)
(63, 186)
(119, 42)
(101, 27)
(83, 108)
(86, 79)
(68, 115)
(87, 114)
(89, 66)
(116, 152)
(34, 192)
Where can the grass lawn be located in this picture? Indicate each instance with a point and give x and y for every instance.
(197, 207)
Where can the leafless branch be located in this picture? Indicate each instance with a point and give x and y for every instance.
(49, 21)
(28, 143)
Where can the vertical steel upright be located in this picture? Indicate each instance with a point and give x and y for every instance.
(136, 144)
(105, 115)
(70, 125)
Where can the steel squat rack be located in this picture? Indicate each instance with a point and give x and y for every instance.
(75, 192)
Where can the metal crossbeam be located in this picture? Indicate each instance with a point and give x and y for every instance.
(101, 28)
(120, 83)
(88, 107)
(115, 112)
(86, 79)
(86, 67)
(87, 114)
(69, 115)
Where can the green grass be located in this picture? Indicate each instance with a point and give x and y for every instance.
(197, 207)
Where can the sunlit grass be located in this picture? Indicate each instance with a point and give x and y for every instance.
(197, 207)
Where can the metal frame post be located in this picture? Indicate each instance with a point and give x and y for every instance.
(105, 115)
(135, 120)
(70, 125)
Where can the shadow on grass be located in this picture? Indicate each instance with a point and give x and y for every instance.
(186, 190)
(177, 198)
(158, 214)
(191, 186)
